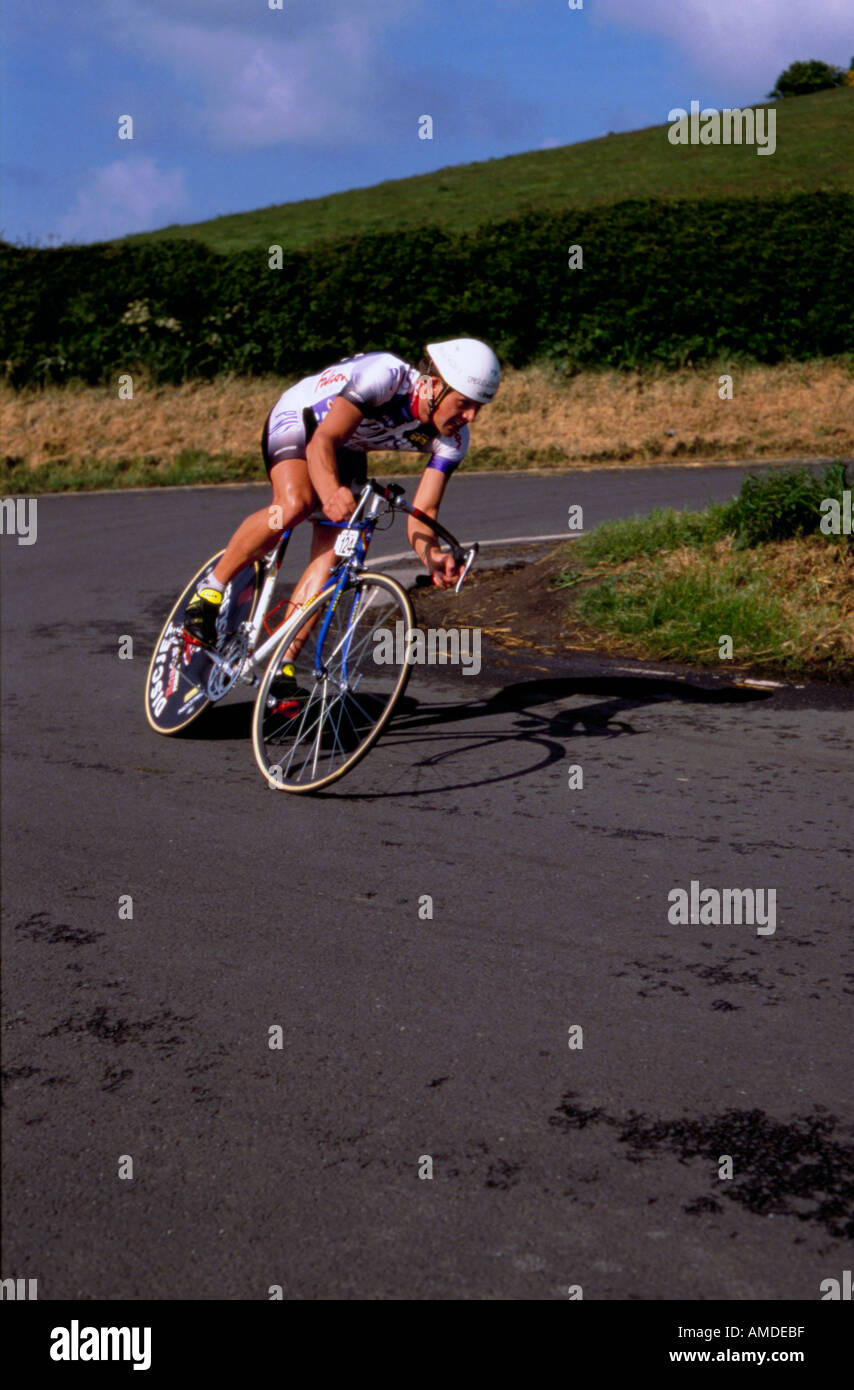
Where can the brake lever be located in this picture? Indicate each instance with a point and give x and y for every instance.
(470, 558)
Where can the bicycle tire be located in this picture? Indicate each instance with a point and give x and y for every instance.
(268, 735)
(178, 666)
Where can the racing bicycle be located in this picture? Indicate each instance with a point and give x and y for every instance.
(323, 696)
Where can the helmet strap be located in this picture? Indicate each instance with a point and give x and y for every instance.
(433, 402)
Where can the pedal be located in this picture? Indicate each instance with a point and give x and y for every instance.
(290, 708)
(191, 640)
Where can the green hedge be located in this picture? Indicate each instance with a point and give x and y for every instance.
(663, 282)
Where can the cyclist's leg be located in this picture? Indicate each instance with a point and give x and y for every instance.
(312, 580)
(352, 472)
(293, 499)
(317, 571)
(283, 451)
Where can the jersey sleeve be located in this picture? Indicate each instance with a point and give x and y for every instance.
(448, 453)
(374, 382)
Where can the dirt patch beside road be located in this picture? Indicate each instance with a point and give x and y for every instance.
(514, 605)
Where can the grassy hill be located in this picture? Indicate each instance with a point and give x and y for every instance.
(815, 139)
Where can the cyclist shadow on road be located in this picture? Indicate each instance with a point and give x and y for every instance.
(550, 730)
(423, 724)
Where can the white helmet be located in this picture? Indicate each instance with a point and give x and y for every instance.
(468, 366)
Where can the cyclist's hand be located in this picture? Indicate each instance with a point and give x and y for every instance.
(339, 505)
(443, 568)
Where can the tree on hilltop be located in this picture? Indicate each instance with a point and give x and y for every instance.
(810, 76)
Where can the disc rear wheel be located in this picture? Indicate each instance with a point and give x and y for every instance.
(182, 679)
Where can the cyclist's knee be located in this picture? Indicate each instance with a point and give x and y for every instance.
(293, 494)
(292, 504)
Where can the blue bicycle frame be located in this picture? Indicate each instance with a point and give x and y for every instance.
(337, 582)
(348, 566)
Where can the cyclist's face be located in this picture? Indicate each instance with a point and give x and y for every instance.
(455, 411)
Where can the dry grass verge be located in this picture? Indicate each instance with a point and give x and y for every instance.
(538, 420)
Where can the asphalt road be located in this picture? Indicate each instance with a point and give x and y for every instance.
(404, 1037)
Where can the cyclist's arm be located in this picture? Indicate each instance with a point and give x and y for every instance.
(330, 434)
(428, 496)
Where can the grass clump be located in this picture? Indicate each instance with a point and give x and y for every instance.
(757, 570)
(782, 504)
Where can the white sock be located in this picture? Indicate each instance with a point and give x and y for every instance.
(211, 583)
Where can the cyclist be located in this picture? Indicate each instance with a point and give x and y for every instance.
(315, 445)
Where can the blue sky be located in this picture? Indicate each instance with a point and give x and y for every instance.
(237, 106)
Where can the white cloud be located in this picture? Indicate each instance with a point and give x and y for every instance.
(322, 84)
(245, 76)
(331, 80)
(255, 92)
(320, 74)
(750, 41)
(129, 195)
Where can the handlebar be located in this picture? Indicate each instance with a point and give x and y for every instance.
(395, 496)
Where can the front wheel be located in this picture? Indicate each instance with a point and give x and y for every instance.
(350, 654)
